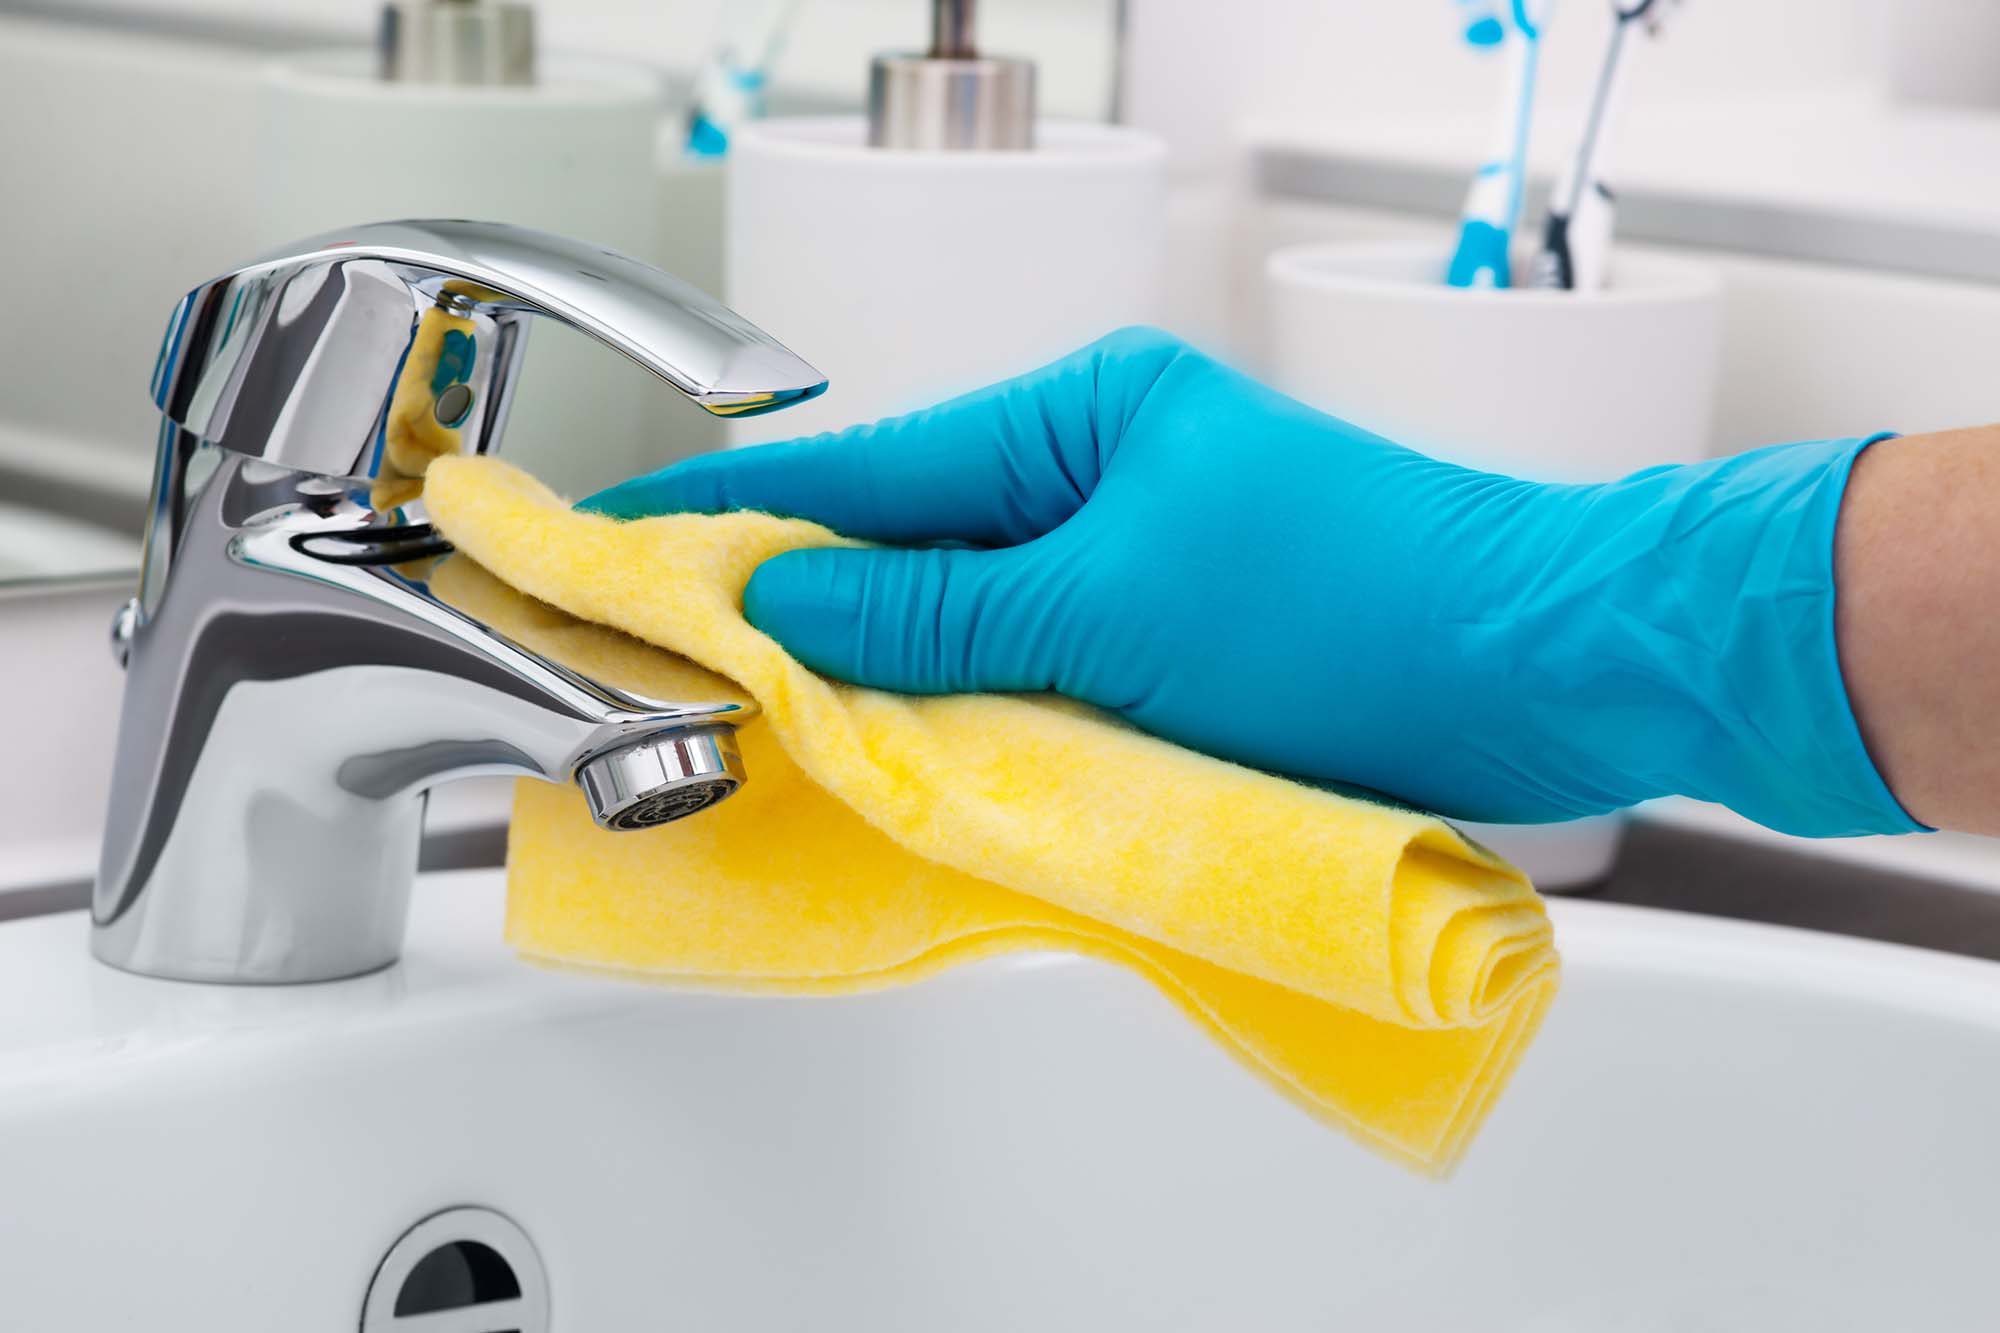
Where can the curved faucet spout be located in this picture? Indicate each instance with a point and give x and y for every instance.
(296, 684)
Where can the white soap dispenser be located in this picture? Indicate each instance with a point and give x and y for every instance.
(946, 239)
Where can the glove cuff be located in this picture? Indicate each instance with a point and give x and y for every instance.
(1728, 593)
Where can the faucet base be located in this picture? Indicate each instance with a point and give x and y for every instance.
(297, 898)
(664, 777)
(112, 956)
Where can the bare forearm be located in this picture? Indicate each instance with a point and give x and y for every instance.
(1917, 565)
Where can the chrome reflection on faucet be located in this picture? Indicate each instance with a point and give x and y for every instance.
(295, 687)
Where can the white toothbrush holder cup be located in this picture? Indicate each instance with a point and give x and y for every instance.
(1557, 386)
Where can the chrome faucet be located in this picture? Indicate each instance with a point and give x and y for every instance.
(294, 684)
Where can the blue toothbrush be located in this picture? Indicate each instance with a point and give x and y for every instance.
(727, 91)
(1493, 205)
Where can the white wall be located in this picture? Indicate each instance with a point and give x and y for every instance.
(1197, 68)
(114, 206)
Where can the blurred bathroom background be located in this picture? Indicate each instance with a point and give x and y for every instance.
(1833, 160)
(1830, 164)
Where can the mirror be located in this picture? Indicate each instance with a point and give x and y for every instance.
(230, 136)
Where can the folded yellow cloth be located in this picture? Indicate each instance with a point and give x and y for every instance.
(1368, 960)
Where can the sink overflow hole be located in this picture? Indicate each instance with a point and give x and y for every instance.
(457, 1273)
(464, 1270)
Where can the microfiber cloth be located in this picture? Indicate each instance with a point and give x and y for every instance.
(1367, 960)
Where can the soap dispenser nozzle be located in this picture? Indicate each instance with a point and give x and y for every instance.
(467, 43)
(951, 96)
(951, 30)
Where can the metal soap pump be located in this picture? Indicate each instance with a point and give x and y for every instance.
(468, 43)
(951, 97)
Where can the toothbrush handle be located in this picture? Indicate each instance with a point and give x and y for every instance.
(1576, 248)
(1493, 204)
(1554, 268)
(1590, 237)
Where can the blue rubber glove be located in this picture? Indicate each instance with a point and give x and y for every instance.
(1142, 528)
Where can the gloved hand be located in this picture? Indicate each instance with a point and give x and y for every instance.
(1142, 528)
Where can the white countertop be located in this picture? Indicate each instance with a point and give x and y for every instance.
(59, 1008)
(1949, 858)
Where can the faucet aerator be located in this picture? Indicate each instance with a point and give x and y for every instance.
(662, 778)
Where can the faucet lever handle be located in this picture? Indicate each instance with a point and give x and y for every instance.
(298, 357)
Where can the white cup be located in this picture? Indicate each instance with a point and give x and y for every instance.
(1557, 386)
(1551, 385)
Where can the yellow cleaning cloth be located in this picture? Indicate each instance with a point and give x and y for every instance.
(1367, 960)
(412, 434)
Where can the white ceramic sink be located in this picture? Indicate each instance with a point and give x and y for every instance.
(1723, 1126)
